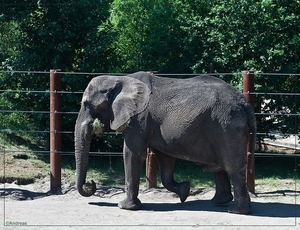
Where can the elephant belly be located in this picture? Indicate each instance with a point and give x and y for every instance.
(201, 151)
(210, 168)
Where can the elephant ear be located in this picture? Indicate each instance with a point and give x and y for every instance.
(129, 97)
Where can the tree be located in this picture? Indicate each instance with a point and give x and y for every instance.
(153, 35)
(53, 34)
(260, 35)
(8, 39)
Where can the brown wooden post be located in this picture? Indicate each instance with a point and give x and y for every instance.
(55, 128)
(248, 89)
(151, 170)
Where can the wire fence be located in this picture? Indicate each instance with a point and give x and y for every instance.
(265, 98)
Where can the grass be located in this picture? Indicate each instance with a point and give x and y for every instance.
(277, 171)
(20, 163)
(22, 168)
(277, 167)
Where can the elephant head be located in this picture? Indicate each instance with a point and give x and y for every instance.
(107, 101)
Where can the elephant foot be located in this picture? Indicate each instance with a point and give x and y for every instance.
(240, 207)
(130, 204)
(222, 198)
(184, 191)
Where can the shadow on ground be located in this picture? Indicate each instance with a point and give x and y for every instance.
(22, 194)
(270, 209)
(261, 209)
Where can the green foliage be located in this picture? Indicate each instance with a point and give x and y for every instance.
(259, 35)
(62, 35)
(51, 35)
(9, 37)
(151, 35)
(158, 35)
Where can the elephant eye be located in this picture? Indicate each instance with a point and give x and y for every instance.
(86, 104)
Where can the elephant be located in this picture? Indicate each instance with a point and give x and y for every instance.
(200, 119)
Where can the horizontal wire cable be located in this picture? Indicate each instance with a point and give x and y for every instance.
(50, 131)
(39, 91)
(36, 112)
(72, 153)
(77, 92)
(75, 113)
(57, 152)
(114, 133)
(159, 74)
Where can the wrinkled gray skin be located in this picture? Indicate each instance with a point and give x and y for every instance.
(200, 119)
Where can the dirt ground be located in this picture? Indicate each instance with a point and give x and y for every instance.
(31, 207)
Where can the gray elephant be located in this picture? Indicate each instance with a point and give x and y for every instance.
(200, 119)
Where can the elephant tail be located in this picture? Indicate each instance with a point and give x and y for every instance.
(252, 128)
(252, 137)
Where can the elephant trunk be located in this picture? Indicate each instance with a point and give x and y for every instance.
(83, 137)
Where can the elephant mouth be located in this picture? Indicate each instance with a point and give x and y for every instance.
(98, 127)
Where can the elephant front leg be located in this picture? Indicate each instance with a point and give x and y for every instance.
(132, 165)
(223, 193)
(167, 165)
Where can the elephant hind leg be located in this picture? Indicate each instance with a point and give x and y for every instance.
(242, 202)
(167, 164)
(223, 193)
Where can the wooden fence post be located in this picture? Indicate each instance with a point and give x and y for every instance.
(55, 128)
(151, 170)
(248, 89)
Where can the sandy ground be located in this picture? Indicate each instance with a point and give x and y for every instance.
(30, 207)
